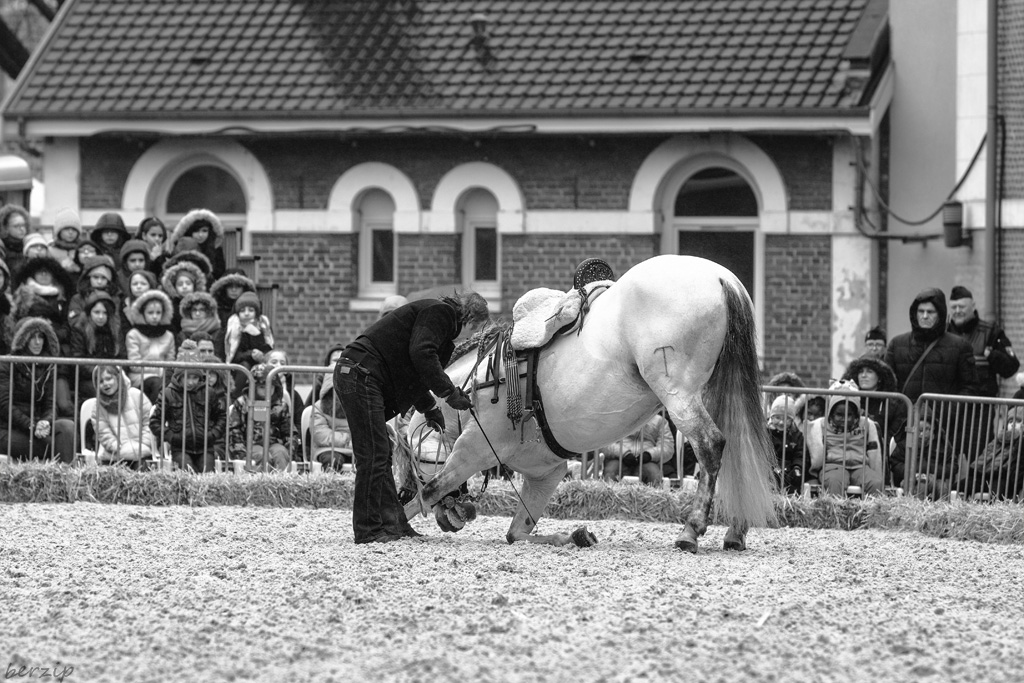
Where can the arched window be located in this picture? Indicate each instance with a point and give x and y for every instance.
(715, 216)
(378, 264)
(206, 186)
(477, 218)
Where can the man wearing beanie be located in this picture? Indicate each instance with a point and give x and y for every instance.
(993, 358)
(874, 343)
(67, 235)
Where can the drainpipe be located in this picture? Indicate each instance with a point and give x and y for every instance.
(990, 310)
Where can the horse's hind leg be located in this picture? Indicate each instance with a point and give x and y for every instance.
(693, 421)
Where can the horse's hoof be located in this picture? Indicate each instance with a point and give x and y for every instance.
(734, 542)
(686, 545)
(455, 519)
(583, 538)
(441, 517)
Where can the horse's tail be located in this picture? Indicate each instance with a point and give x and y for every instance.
(733, 399)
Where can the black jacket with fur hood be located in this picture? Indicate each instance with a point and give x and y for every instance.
(213, 248)
(27, 391)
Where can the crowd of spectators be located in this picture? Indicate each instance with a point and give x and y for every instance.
(157, 294)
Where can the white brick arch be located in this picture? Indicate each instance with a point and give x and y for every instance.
(477, 174)
(151, 176)
(686, 154)
(345, 194)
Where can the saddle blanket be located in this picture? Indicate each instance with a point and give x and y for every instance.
(541, 312)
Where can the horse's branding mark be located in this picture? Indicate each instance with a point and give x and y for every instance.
(664, 358)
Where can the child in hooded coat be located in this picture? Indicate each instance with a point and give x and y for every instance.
(139, 282)
(26, 395)
(97, 276)
(190, 418)
(150, 339)
(109, 234)
(67, 228)
(122, 420)
(95, 334)
(179, 279)
(844, 446)
(226, 291)
(134, 256)
(198, 313)
(278, 455)
(205, 227)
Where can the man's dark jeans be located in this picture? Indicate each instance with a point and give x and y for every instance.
(376, 511)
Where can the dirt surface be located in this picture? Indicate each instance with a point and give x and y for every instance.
(222, 593)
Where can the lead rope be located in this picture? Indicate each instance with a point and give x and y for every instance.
(530, 517)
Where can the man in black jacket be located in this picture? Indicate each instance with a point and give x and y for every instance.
(393, 365)
(993, 357)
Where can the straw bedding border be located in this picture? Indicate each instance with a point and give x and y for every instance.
(575, 499)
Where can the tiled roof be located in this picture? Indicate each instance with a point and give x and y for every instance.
(275, 59)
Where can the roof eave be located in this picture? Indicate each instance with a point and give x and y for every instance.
(855, 120)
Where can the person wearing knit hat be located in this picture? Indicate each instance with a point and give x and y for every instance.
(787, 438)
(35, 246)
(874, 343)
(97, 275)
(109, 233)
(248, 336)
(994, 360)
(845, 445)
(67, 230)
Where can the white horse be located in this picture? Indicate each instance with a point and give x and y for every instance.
(676, 331)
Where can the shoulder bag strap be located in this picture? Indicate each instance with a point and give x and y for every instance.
(918, 364)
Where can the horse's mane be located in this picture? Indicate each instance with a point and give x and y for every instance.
(481, 339)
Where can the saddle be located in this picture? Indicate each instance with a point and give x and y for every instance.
(542, 313)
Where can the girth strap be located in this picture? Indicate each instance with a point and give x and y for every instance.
(535, 401)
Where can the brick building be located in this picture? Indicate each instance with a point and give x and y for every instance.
(370, 148)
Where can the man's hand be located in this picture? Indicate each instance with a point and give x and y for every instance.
(42, 429)
(459, 400)
(435, 419)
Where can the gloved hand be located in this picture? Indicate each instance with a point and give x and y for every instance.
(629, 459)
(646, 458)
(435, 419)
(459, 400)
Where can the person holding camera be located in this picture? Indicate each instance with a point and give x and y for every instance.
(642, 453)
(393, 365)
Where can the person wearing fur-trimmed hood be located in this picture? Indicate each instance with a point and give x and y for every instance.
(870, 373)
(179, 279)
(226, 290)
(187, 249)
(26, 395)
(248, 336)
(150, 339)
(844, 445)
(42, 281)
(198, 313)
(206, 228)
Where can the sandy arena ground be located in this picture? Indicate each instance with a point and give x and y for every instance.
(231, 594)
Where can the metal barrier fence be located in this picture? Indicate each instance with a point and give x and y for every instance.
(940, 448)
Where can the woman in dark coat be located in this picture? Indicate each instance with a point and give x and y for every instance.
(26, 395)
(394, 365)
